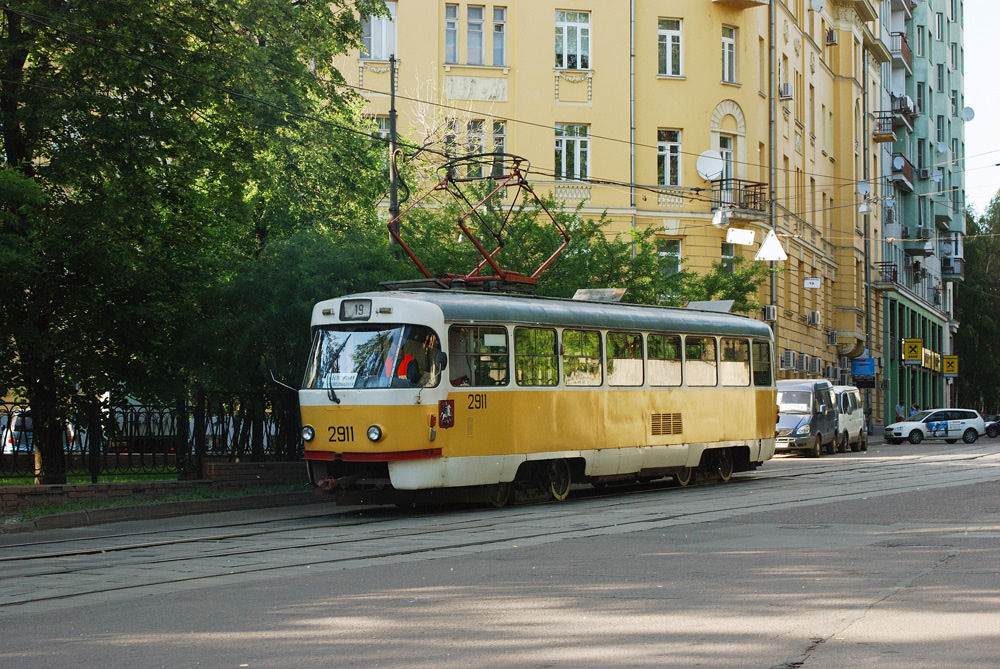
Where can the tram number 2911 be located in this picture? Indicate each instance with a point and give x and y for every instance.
(341, 433)
(477, 401)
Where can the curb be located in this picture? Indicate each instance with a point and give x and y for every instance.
(85, 518)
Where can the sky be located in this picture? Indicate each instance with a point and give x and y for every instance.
(982, 93)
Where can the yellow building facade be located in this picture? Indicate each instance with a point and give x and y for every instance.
(663, 114)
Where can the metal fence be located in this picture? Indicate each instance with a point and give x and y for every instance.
(99, 439)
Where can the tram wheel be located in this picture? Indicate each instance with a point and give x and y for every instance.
(500, 495)
(559, 479)
(724, 464)
(684, 476)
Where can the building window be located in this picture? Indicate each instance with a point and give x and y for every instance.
(474, 53)
(939, 26)
(499, 145)
(940, 78)
(920, 40)
(728, 258)
(378, 35)
(920, 97)
(669, 47)
(573, 40)
(729, 54)
(921, 153)
(450, 137)
(940, 128)
(572, 151)
(954, 103)
(669, 251)
(668, 157)
(951, 10)
(499, 35)
(451, 33)
(474, 133)
(954, 55)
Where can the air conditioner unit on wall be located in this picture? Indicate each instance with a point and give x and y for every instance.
(831, 37)
(815, 365)
(802, 363)
(844, 364)
(786, 91)
(924, 173)
(787, 360)
(812, 318)
(769, 313)
(830, 372)
(831, 338)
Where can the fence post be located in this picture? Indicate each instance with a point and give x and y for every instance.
(199, 432)
(182, 444)
(94, 439)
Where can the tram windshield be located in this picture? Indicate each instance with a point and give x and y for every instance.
(370, 356)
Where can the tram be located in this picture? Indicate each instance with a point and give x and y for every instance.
(442, 395)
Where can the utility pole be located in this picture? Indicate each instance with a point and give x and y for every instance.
(393, 190)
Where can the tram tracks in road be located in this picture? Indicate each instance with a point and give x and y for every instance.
(372, 536)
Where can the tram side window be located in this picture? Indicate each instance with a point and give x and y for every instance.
(664, 360)
(478, 356)
(700, 361)
(582, 358)
(762, 364)
(624, 359)
(734, 368)
(536, 362)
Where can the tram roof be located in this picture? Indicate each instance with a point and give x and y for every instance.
(478, 307)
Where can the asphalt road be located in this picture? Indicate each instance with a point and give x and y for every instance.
(888, 558)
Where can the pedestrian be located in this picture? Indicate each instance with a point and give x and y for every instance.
(914, 409)
(900, 412)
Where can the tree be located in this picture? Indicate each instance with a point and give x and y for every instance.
(977, 308)
(147, 149)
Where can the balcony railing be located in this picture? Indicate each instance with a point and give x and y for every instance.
(902, 171)
(900, 50)
(883, 126)
(739, 194)
(953, 267)
(742, 4)
(888, 272)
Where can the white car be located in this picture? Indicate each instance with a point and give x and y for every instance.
(948, 424)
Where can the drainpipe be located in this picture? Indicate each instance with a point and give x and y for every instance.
(868, 279)
(631, 111)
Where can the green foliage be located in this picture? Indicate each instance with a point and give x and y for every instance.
(149, 152)
(977, 308)
(739, 284)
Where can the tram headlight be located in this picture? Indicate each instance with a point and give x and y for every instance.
(375, 433)
(802, 430)
(308, 434)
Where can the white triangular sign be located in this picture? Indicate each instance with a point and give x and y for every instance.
(771, 248)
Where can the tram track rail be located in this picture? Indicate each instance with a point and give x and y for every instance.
(210, 553)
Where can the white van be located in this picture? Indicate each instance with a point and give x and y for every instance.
(851, 428)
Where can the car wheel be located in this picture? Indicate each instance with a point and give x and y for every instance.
(992, 431)
(831, 448)
(916, 437)
(817, 448)
(845, 443)
(863, 444)
(970, 436)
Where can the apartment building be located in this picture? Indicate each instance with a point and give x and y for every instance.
(677, 116)
(922, 129)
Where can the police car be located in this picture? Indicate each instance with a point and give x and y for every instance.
(947, 424)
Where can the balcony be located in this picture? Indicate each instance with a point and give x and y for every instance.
(905, 112)
(884, 122)
(918, 241)
(942, 220)
(739, 196)
(902, 171)
(742, 4)
(887, 277)
(900, 50)
(953, 269)
(906, 6)
(865, 9)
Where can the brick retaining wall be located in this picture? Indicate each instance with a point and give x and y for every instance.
(241, 474)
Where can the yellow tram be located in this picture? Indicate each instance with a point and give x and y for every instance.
(430, 394)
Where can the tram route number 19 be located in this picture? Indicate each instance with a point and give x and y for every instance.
(341, 433)
(477, 400)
